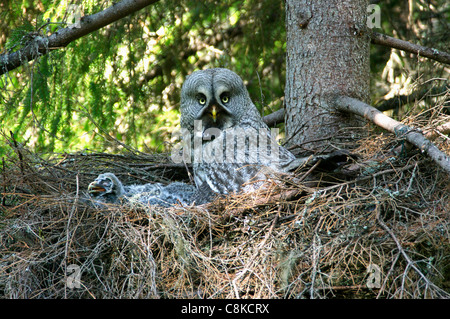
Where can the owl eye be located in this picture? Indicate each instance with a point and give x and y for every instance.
(202, 100)
(225, 98)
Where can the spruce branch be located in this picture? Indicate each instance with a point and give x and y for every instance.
(431, 53)
(40, 45)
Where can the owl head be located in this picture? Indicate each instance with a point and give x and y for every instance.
(106, 185)
(218, 98)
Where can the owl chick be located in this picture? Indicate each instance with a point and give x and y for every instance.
(231, 146)
(107, 188)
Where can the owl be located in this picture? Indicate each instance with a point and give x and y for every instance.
(107, 188)
(230, 146)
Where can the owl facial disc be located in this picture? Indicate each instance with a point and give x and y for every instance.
(215, 115)
(213, 110)
(100, 186)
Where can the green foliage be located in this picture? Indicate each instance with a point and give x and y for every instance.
(19, 36)
(124, 80)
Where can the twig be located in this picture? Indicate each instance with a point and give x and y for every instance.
(405, 255)
(391, 270)
(435, 132)
(68, 237)
(309, 171)
(249, 263)
(315, 258)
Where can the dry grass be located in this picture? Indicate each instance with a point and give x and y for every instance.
(381, 233)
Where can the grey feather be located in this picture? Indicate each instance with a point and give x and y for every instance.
(107, 188)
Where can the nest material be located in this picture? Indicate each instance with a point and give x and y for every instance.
(382, 233)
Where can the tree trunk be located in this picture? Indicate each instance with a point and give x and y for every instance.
(327, 55)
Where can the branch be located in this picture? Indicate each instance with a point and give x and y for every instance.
(274, 118)
(382, 39)
(413, 136)
(41, 45)
(278, 116)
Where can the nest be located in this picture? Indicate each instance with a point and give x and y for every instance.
(382, 233)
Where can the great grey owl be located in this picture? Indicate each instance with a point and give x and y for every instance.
(230, 146)
(107, 188)
(228, 143)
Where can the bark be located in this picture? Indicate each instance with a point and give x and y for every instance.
(41, 44)
(327, 53)
(413, 136)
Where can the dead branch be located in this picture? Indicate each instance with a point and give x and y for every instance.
(413, 136)
(431, 53)
(274, 118)
(441, 129)
(41, 45)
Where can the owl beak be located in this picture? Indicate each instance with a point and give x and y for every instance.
(214, 113)
(96, 188)
(99, 187)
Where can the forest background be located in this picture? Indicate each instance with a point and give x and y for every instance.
(123, 81)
